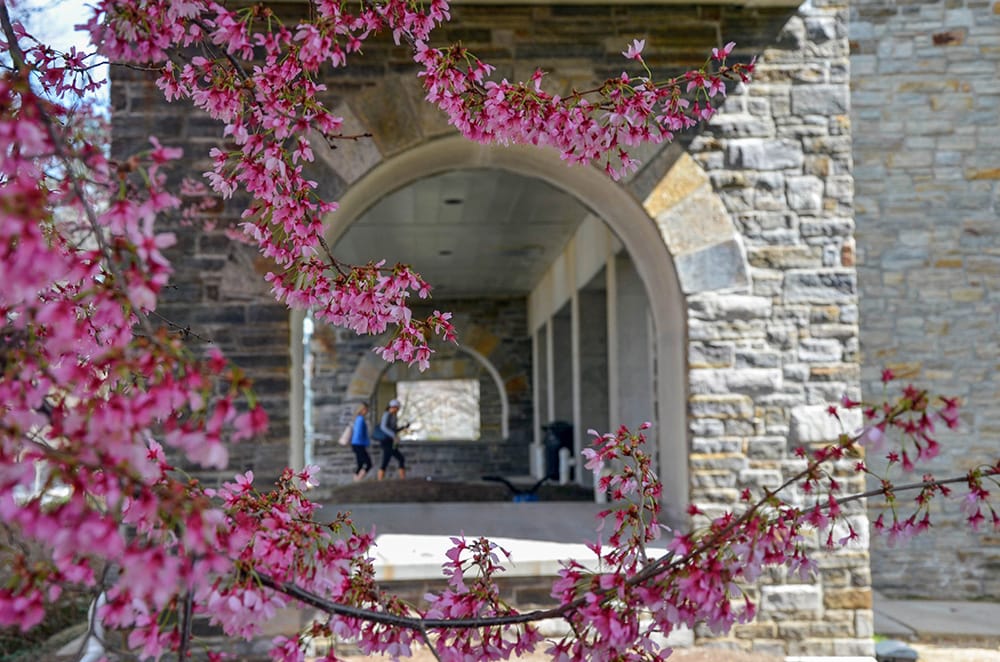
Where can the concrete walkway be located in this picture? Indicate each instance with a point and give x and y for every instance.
(938, 620)
(553, 521)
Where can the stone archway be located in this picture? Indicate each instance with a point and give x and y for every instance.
(370, 369)
(650, 244)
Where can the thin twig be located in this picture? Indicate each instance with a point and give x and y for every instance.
(430, 645)
(914, 486)
(184, 330)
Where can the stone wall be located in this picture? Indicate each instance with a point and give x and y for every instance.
(925, 91)
(217, 295)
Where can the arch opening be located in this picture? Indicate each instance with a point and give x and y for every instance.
(611, 241)
(462, 385)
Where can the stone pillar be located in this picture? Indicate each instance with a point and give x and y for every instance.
(765, 356)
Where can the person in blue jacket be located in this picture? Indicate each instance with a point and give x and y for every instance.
(360, 443)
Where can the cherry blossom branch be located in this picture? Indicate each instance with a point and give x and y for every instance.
(882, 491)
(914, 402)
(17, 55)
(662, 564)
(408, 622)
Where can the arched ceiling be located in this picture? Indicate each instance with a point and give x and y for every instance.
(469, 233)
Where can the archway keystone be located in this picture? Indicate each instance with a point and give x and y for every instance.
(697, 230)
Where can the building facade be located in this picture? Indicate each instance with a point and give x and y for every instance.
(726, 292)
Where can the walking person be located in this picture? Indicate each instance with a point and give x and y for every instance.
(387, 435)
(360, 443)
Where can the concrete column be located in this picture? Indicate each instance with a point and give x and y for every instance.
(611, 304)
(593, 362)
(577, 376)
(550, 386)
(296, 395)
(540, 394)
(635, 358)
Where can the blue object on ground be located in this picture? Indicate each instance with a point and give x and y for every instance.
(891, 650)
(519, 495)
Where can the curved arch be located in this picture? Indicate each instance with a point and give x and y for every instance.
(366, 377)
(501, 388)
(614, 205)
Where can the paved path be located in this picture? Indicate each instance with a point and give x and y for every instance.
(553, 521)
(933, 653)
(937, 620)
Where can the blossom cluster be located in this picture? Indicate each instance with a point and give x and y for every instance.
(598, 125)
(95, 396)
(900, 435)
(262, 85)
(86, 382)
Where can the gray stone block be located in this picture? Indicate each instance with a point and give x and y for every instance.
(755, 154)
(750, 380)
(801, 599)
(820, 100)
(718, 267)
(821, 286)
(814, 424)
(805, 193)
(730, 307)
(710, 355)
(820, 350)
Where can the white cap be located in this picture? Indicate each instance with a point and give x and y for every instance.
(394, 403)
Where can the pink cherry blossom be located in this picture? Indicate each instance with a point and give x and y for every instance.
(634, 51)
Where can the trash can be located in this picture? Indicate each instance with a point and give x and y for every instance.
(558, 434)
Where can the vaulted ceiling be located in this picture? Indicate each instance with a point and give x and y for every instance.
(469, 233)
